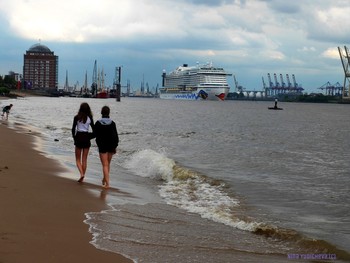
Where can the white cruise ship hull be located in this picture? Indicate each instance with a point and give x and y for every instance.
(200, 82)
(199, 94)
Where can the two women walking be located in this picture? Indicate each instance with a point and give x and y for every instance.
(105, 132)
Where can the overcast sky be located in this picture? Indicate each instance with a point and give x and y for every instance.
(249, 38)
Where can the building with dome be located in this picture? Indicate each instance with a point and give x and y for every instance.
(40, 69)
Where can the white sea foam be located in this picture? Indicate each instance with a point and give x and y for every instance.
(188, 189)
(149, 163)
(210, 201)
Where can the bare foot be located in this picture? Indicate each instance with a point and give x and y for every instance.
(106, 186)
(81, 179)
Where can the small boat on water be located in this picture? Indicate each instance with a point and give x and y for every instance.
(102, 95)
(275, 108)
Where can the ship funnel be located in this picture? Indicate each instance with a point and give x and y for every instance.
(163, 79)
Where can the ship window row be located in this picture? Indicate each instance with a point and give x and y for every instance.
(194, 82)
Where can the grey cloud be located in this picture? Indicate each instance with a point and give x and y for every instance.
(212, 2)
(282, 6)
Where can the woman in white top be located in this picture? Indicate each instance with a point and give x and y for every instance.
(81, 135)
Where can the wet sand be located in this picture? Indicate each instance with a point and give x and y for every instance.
(42, 214)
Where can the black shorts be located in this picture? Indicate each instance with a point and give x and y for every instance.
(107, 149)
(82, 140)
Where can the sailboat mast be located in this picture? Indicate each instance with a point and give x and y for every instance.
(94, 80)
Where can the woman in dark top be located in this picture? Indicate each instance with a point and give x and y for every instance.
(107, 142)
(81, 135)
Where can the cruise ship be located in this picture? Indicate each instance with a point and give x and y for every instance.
(200, 82)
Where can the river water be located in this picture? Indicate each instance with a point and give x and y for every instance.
(208, 181)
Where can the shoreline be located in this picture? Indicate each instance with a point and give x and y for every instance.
(42, 217)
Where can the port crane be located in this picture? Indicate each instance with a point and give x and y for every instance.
(282, 81)
(239, 88)
(277, 84)
(117, 82)
(275, 88)
(288, 82)
(345, 59)
(332, 89)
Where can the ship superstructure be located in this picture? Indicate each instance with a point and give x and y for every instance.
(195, 82)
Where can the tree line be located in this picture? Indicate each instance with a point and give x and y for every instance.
(7, 83)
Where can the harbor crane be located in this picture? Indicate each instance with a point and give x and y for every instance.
(270, 81)
(294, 81)
(239, 88)
(332, 89)
(345, 59)
(288, 82)
(264, 84)
(276, 88)
(117, 82)
(277, 85)
(282, 82)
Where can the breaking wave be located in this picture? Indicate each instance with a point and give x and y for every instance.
(200, 194)
(189, 190)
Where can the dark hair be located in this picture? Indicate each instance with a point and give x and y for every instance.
(84, 112)
(105, 111)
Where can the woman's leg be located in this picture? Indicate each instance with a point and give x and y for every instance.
(105, 169)
(78, 152)
(109, 159)
(84, 159)
(110, 155)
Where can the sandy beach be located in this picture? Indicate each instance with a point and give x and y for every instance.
(42, 214)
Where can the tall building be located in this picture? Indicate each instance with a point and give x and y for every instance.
(40, 70)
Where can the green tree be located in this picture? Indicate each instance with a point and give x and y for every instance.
(4, 91)
(9, 82)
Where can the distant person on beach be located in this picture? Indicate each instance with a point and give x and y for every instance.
(81, 135)
(276, 101)
(107, 142)
(6, 111)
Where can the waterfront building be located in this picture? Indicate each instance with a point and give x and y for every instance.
(40, 69)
